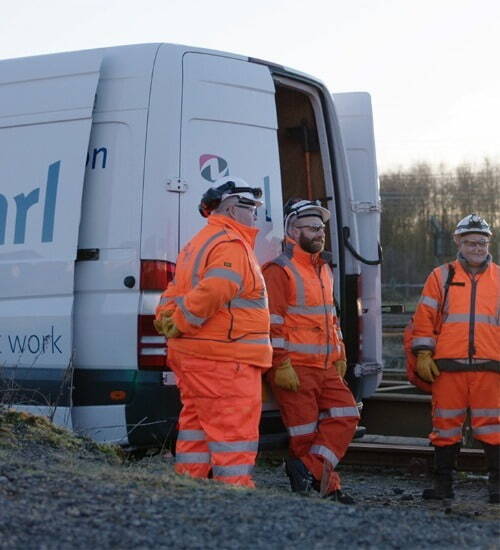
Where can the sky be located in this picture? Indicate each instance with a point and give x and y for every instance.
(429, 65)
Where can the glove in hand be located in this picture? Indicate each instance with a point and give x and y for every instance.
(341, 366)
(166, 326)
(285, 376)
(426, 368)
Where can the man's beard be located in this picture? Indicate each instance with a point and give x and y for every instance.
(311, 245)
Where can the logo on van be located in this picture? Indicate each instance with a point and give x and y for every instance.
(213, 167)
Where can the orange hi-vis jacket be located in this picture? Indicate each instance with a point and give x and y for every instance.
(304, 324)
(219, 297)
(466, 327)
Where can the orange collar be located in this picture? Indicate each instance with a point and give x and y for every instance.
(249, 234)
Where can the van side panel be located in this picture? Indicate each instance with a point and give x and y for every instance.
(45, 118)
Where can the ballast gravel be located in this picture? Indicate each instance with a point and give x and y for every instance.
(54, 497)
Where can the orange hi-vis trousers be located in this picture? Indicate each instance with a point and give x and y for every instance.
(321, 419)
(219, 420)
(452, 394)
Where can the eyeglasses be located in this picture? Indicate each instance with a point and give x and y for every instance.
(312, 228)
(474, 244)
(252, 209)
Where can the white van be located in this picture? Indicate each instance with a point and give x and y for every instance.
(104, 157)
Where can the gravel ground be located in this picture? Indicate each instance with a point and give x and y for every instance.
(61, 492)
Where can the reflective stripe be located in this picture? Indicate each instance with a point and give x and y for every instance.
(302, 429)
(488, 319)
(457, 318)
(192, 458)
(276, 319)
(423, 341)
(278, 342)
(428, 301)
(193, 319)
(229, 471)
(164, 300)
(325, 453)
(448, 413)
(472, 361)
(191, 435)
(447, 433)
(246, 303)
(311, 310)
(310, 348)
(485, 412)
(196, 264)
(492, 429)
(233, 446)
(259, 341)
(222, 273)
(338, 412)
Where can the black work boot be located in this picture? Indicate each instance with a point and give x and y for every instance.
(340, 496)
(301, 479)
(444, 464)
(493, 459)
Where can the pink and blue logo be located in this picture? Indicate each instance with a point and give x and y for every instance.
(213, 167)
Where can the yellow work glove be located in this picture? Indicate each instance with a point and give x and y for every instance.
(341, 366)
(285, 376)
(166, 326)
(426, 368)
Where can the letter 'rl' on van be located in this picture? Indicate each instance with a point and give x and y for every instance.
(104, 157)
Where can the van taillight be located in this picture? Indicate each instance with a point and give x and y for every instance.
(156, 274)
(151, 346)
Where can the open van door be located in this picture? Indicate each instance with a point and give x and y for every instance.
(354, 111)
(46, 105)
(228, 128)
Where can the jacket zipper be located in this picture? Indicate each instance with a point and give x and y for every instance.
(472, 317)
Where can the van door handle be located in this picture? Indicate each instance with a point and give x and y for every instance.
(87, 254)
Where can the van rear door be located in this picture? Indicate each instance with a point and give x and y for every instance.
(354, 111)
(46, 105)
(228, 128)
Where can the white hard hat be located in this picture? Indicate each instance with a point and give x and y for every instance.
(472, 224)
(301, 208)
(240, 188)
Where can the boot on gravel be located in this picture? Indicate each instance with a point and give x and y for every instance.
(301, 479)
(493, 459)
(340, 496)
(444, 464)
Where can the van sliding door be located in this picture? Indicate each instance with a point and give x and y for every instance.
(46, 107)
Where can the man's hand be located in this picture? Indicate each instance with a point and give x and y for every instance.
(341, 366)
(285, 376)
(426, 368)
(166, 326)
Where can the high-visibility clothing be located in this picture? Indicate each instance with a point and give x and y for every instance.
(304, 325)
(466, 327)
(320, 418)
(218, 297)
(452, 394)
(463, 332)
(219, 420)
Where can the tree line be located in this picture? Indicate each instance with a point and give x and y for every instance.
(421, 206)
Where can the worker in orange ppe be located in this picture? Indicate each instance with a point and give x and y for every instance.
(215, 316)
(456, 338)
(309, 360)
